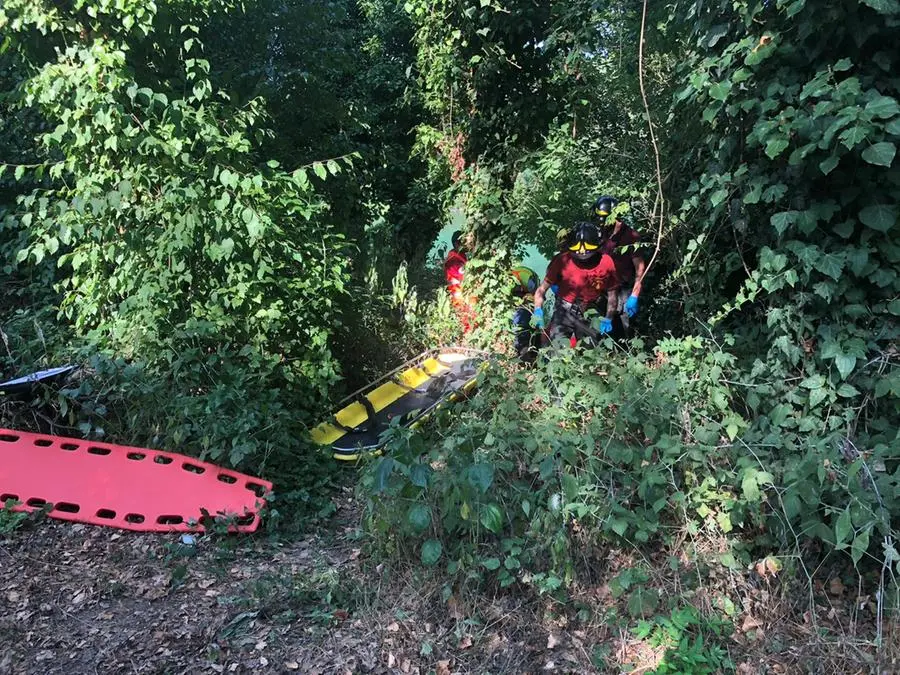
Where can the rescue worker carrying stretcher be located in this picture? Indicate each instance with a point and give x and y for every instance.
(526, 341)
(581, 275)
(622, 243)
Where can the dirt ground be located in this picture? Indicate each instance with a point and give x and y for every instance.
(86, 599)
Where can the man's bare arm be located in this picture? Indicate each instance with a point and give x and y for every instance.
(540, 293)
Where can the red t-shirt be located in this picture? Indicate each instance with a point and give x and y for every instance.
(453, 269)
(613, 240)
(579, 283)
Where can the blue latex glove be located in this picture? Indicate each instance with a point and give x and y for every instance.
(631, 306)
(605, 326)
(537, 317)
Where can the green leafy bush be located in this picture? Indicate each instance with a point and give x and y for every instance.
(691, 642)
(540, 467)
(215, 276)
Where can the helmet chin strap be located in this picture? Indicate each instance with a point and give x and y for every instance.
(585, 261)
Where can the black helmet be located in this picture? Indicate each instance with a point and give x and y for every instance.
(584, 241)
(603, 207)
(455, 239)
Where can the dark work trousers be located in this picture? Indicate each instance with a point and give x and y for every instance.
(568, 321)
(526, 340)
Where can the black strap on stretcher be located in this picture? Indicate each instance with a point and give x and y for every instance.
(365, 426)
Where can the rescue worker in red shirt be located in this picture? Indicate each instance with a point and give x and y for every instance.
(581, 275)
(623, 243)
(454, 269)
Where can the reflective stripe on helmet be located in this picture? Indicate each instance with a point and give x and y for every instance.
(583, 244)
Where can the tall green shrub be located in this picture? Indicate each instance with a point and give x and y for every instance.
(169, 241)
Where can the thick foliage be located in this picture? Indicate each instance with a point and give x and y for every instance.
(798, 197)
(783, 423)
(541, 467)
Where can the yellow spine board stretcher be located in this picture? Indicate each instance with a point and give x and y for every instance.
(410, 392)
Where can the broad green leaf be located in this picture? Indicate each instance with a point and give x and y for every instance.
(383, 473)
(418, 475)
(723, 518)
(794, 8)
(619, 526)
(845, 364)
(732, 430)
(740, 75)
(643, 602)
(19, 172)
(431, 552)
(860, 546)
(842, 65)
(845, 228)
(816, 396)
(481, 476)
(847, 391)
(720, 90)
(512, 563)
(781, 221)
(320, 170)
(255, 226)
(718, 197)
(854, 135)
(750, 487)
(418, 517)
(881, 217)
(813, 382)
(830, 264)
(779, 414)
(828, 165)
(492, 518)
(880, 154)
(300, 178)
(775, 147)
(491, 563)
(842, 528)
(883, 60)
(884, 6)
(883, 107)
